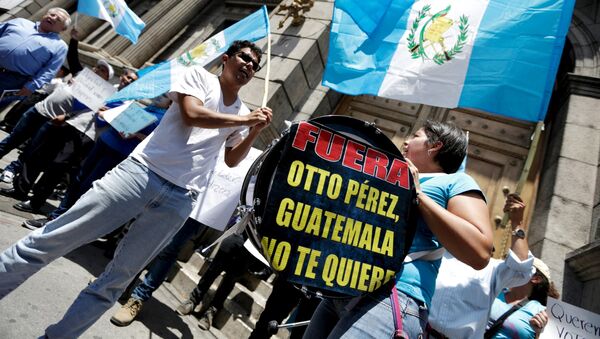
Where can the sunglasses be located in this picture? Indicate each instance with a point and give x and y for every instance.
(248, 58)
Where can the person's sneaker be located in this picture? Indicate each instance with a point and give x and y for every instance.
(207, 318)
(186, 307)
(7, 177)
(33, 224)
(127, 313)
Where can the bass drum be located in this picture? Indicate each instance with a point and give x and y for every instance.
(262, 189)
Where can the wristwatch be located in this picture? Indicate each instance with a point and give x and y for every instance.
(519, 233)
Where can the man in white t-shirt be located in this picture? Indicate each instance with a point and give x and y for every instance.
(157, 185)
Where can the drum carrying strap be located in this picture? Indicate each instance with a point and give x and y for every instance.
(397, 314)
(430, 255)
(395, 301)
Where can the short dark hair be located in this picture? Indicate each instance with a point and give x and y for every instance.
(237, 46)
(542, 290)
(454, 142)
(130, 70)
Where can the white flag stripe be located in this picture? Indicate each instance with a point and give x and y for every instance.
(428, 82)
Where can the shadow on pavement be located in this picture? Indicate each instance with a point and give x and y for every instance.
(158, 317)
(163, 321)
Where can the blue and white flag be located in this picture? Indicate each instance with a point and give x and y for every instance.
(116, 12)
(500, 56)
(158, 81)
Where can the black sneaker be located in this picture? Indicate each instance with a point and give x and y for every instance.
(33, 224)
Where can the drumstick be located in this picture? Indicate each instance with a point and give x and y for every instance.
(268, 73)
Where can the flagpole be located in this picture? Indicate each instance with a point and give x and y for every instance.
(522, 179)
(268, 73)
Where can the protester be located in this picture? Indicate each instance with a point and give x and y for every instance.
(15, 113)
(463, 296)
(519, 312)
(108, 151)
(103, 69)
(52, 142)
(283, 299)
(452, 214)
(11, 117)
(157, 185)
(156, 274)
(36, 123)
(58, 106)
(32, 52)
(233, 259)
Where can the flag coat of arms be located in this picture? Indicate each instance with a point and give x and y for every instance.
(499, 56)
(158, 80)
(124, 20)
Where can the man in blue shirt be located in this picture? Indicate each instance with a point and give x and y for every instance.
(32, 52)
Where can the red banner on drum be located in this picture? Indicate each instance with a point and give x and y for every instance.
(361, 158)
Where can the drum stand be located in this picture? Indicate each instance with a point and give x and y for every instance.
(274, 326)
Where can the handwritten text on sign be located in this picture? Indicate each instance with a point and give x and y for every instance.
(566, 321)
(336, 212)
(91, 90)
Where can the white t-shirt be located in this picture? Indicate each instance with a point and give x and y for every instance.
(59, 102)
(183, 154)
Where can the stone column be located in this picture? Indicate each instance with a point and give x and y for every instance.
(115, 44)
(85, 25)
(567, 193)
(162, 31)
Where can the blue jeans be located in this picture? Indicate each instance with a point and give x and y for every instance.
(371, 317)
(27, 127)
(159, 269)
(100, 160)
(129, 191)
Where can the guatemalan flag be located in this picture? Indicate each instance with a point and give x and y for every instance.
(158, 80)
(498, 56)
(124, 20)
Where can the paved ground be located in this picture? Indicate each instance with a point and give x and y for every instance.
(43, 299)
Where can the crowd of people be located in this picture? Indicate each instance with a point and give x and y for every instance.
(151, 179)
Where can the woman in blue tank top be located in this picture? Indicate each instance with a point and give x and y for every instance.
(452, 214)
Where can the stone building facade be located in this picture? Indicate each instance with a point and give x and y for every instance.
(564, 184)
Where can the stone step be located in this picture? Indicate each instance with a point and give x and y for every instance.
(245, 304)
(197, 261)
(185, 279)
(231, 326)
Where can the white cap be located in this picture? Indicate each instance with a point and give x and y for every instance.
(104, 63)
(542, 268)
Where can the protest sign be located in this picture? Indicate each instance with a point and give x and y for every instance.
(128, 118)
(215, 206)
(566, 321)
(91, 90)
(336, 216)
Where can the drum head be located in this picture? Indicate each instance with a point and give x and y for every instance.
(333, 206)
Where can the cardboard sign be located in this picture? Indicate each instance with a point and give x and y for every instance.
(566, 321)
(128, 118)
(337, 212)
(91, 90)
(215, 206)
